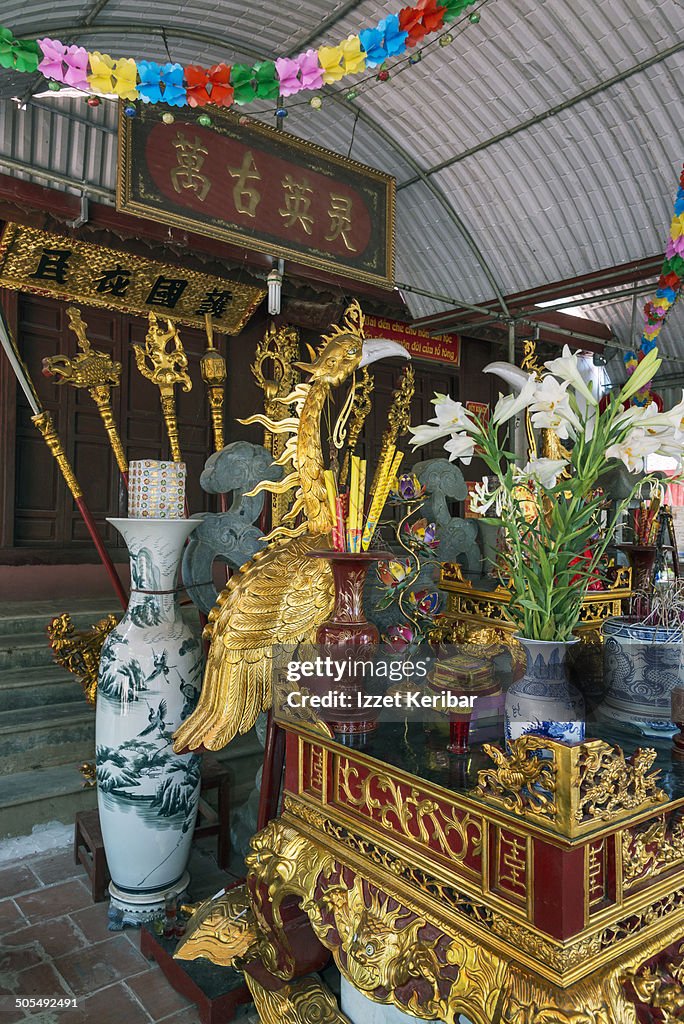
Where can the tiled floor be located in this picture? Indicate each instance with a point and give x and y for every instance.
(54, 942)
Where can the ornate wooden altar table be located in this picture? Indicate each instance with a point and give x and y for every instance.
(510, 888)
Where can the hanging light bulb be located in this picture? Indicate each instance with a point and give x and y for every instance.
(275, 284)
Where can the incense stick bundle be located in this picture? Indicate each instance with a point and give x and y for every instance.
(334, 505)
(384, 482)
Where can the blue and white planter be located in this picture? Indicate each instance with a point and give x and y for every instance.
(641, 665)
(149, 680)
(544, 702)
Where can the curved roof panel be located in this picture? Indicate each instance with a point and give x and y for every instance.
(541, 144)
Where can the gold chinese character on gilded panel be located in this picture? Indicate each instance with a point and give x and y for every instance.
(188, 172)
(246, 197)
(510, 865)
(297, 202)
(48, 264)
(340, 213)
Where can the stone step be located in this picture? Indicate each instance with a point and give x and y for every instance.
(39, 686)
(24, 650)
(39, 737)
(33, 617)
(43, 794)
(56, 793)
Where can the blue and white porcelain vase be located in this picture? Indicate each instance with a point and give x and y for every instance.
(544, 702)
(641, 665)
(149, 681)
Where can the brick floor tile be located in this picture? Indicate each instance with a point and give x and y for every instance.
(14, 960)
(10, 917)
(16, 879)
(156, 994)
(93, 922)
(57, 937)
(90, 969)
(40, 980)
(188, 1016)
(57, 867)
(111, 1005)
(54, 901)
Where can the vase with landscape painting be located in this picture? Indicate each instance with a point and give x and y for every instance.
(149, 681)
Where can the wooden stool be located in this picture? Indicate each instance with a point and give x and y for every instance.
(212, 822)
(89, 851)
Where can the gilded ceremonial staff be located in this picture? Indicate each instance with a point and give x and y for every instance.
(213, 370)
(97, 372)
(398, 420)
(43, 421)
(362, 406)
(165, 368)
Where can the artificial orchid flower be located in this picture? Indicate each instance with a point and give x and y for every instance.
(398, 638)
(408, 488)
(424, 602)
(423, 533)
(394, 572)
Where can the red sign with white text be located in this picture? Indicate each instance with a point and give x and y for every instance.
(442, 348)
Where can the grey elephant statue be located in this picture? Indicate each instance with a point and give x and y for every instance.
(230, 537)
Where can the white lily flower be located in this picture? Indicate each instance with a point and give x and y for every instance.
(460, 446)
(567, 368)
(426, 433)
(551, 408)
(545, 471)
(510, 405)
(451, 414)
(634, 449)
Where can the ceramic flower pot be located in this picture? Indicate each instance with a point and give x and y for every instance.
(149, 681)
(543, 702)
(641, 665)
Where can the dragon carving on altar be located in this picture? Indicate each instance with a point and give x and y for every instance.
(281, 595)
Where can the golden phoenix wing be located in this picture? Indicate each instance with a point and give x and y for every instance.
(279, 597)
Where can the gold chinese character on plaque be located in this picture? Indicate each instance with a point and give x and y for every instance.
(246, 197)
(188, 172)
(340, 213)
(297, 202)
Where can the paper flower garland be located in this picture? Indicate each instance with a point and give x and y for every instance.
(67, 64)
(668, 291)
(222, 85)
(22, 55)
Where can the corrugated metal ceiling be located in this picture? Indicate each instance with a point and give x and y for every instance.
(541, 144)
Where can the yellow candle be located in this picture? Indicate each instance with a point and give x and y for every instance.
(352, 515)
